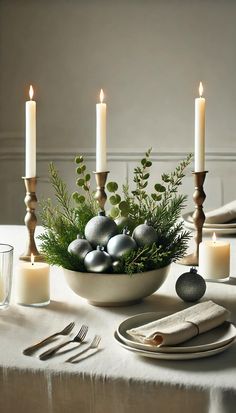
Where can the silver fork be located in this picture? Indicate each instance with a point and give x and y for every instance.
(94, 344)
(79, 338)
(30, 350)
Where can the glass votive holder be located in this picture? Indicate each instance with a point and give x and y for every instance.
(6, 264)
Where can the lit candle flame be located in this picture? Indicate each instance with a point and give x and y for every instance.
(200, 89)
(214, 237)
(32, 259)
(31, 92)
(101, 96)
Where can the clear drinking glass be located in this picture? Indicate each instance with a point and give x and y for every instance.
(6, 264)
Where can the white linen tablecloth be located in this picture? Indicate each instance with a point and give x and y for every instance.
(114, 380)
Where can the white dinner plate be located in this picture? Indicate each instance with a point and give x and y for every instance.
(173, 356)
(188, 217)
(223, 229)
(212, 339)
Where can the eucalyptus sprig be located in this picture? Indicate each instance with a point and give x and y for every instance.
(120, 208)
(141, 176)
(174, 179)
(84, 183)
(140, 204)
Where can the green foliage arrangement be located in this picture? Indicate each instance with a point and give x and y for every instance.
(161, 208)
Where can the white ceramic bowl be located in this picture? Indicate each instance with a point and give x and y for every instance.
(115, 289)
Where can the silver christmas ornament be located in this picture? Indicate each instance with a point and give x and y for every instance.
(116, 266)
(120, 244)
(98, 261)
(123, 222)
(144, 234)
(80, 247)
(99, 230)
(190, 286)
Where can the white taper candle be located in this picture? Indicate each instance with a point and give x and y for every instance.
(101, 140)
(30, 136)
(199, 153)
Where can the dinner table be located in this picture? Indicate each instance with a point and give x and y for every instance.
(110, 379)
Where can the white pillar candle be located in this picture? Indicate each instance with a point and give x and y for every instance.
(33, 283)
(214, 259)
(30, 136)
(199, 153)
(101, 139)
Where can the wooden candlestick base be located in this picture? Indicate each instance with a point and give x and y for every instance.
(31, 221)
(100, 194)
(198, 218)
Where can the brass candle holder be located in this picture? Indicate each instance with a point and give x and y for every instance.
(198, 217)
(100, 194)
(31, 220)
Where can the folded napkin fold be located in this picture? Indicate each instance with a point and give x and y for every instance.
(181, 326)
(222, 215)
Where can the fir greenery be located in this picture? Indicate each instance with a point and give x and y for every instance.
(161, 207)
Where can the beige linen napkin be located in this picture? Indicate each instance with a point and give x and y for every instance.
(221, 215)
(181, 326)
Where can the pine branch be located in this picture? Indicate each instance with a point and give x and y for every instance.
(144, 259)
(61, 193)
(56, 253)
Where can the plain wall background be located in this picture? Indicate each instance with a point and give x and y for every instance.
(147, 55)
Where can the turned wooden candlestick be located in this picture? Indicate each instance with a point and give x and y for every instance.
(31, 220)
(100, 194)
(198, 217)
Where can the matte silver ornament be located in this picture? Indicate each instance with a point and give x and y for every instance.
(190, 286)
(144, 234)
(116, 266)
(99, 230)
(123, 222)
(120, 244)
(98, 261)
(80, 247)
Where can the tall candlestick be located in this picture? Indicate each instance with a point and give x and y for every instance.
(31, 220)
(101, 140)
(200, 105)
(30, 136)
(198, 217)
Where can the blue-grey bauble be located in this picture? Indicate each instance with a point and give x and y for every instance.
(80, 247)
(190, 286)
(120, 244)
(144, 235)
(98, 261)
(99, 230)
